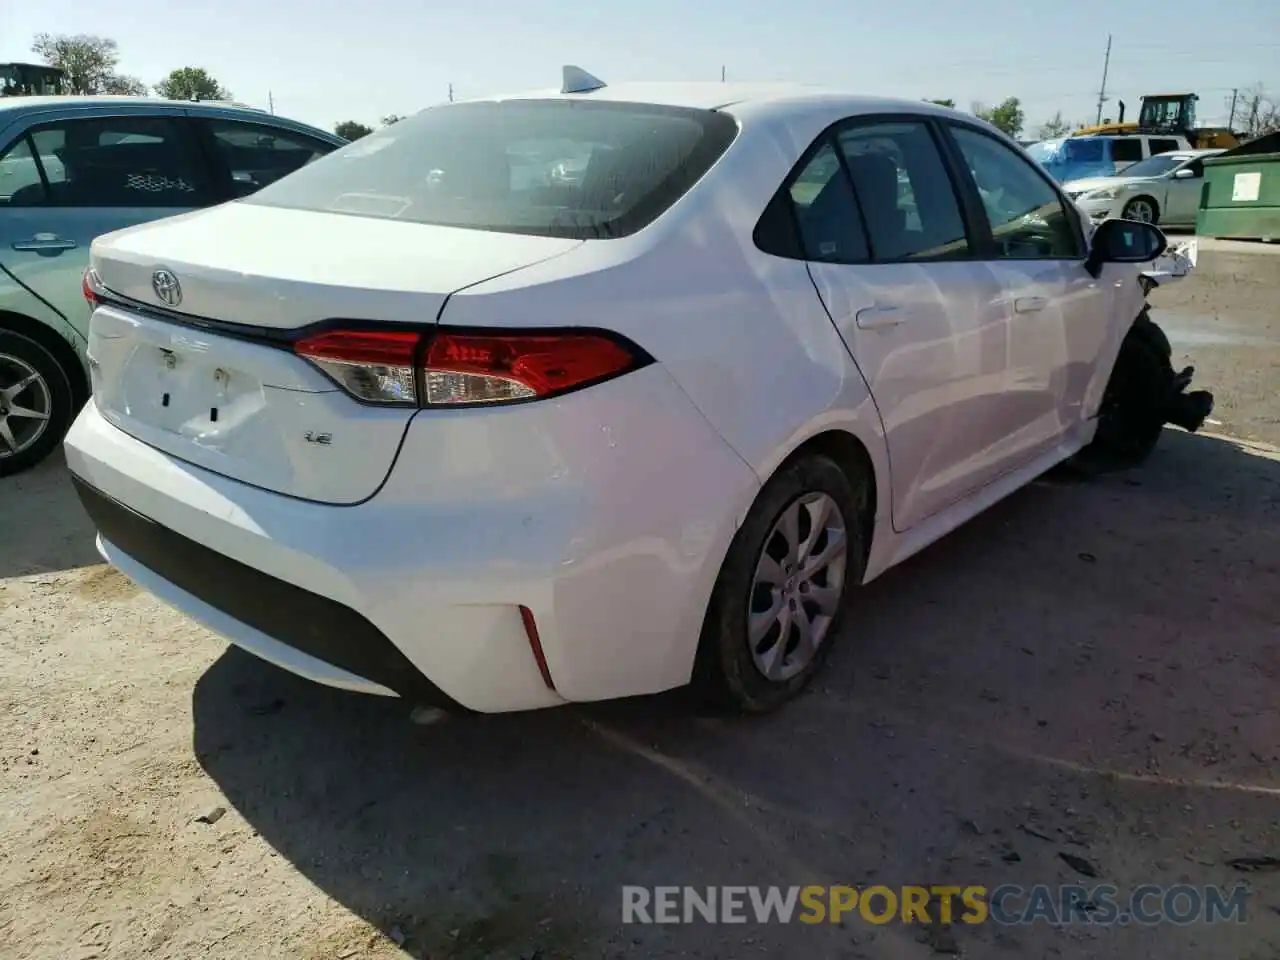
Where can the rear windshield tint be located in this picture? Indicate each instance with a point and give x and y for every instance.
(553, 168)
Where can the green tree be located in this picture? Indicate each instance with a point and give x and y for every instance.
(942, 103)
(123, 86)
(88, 63)
(1055, 126)
(192, 83)
(1006, 116)
(351, 130)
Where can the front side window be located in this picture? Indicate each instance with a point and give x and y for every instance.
(1027, 216)
(904, 191)
(117, 162)
(546, 167)
(257, 154)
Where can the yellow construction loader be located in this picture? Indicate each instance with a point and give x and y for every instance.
(1169, 113)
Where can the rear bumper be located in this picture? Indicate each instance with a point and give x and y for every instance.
(606, 513)
(229, 596)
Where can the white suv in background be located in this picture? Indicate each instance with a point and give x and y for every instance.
(1101, 155)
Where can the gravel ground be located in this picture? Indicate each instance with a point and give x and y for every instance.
(1090, 668)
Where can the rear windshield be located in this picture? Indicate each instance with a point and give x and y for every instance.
(554, 168)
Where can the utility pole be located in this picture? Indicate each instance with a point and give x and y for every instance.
(271, 104)
(1253, 115)
(722, 74)
(1102, 93)
(1231, 123)
(451, 93)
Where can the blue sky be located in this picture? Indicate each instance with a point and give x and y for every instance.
(325, 60)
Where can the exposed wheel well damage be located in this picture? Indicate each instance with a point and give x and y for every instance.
(57, 346)
(1143, 393)
(851, 456)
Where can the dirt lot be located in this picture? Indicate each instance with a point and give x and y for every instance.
(1091, 668)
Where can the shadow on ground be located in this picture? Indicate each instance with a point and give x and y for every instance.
(1088, 668)
(43, 528)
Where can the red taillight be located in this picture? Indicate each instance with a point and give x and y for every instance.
(470, 368)
(455, 368)
(91, 287)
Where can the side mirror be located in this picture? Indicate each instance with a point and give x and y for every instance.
(1184, 174)
(1124, 241)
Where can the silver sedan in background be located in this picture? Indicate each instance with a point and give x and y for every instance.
(1163, 189)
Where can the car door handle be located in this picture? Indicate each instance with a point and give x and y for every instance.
(44, 241)
(878, 318)
(1029, 304)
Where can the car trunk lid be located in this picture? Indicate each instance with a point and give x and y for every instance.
(209, 376)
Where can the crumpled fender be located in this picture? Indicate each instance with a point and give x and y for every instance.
(1175, 263)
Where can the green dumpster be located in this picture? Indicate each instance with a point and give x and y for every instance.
(1240, 198)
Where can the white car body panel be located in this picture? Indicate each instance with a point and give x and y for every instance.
(267, 404)
(349, 266)
(607, 512)
(522, 508)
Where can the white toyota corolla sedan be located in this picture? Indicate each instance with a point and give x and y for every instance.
(428, 418)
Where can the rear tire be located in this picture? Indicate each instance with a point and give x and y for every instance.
(779, 601)
(36, 403)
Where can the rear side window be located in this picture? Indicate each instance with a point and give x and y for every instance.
(1126, 151)
(826, 214)
(117, 162)
(1160, 145)
(256, 154)
(904, 191)
(547, 167)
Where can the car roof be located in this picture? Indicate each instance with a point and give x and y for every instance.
(45, 103)
(1188, 154)
(13, 109)
(740, 99)
(694, 94)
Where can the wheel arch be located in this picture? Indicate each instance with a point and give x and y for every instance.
(61, 351)
(852, 456)
(850, 453)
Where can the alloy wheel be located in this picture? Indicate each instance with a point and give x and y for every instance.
(797, 587)
(1141, 210)
(26, 404)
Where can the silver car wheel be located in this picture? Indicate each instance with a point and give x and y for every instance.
(1141, 210)
(797, 587)
(26, 404)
